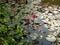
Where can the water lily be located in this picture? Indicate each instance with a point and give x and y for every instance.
(34, 36)
(51, 38)
(55, 12)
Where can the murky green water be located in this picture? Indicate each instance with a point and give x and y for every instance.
(57, 2)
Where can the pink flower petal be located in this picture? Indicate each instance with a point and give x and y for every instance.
(13, 10)
(27, 20)
(34, 16)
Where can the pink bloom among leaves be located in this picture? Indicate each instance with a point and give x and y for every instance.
(14, 11)
(33, 16)
(27, 20)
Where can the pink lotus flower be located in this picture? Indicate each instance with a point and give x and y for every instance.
(33, 16)
(27, 20)
(14, 11)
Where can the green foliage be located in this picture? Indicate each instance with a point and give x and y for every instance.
(58, 35)
(10, 30)
(3, 28)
